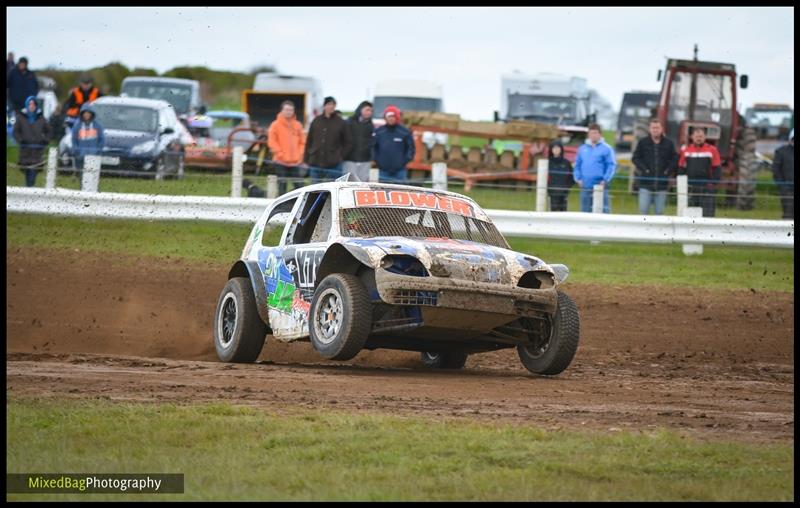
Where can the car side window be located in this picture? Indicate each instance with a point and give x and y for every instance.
(313, 222)
(276, 221)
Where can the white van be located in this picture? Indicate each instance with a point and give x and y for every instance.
(410, 95)
(263, 102)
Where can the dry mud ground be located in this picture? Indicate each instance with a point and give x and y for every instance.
(716, 364)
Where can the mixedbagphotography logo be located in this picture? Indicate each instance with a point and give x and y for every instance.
(90, 483)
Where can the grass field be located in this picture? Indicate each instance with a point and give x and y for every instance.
(241, 453)
(612, 263)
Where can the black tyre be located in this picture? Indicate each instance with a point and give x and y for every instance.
(340, 317)
(451, 360)
(550, 356)
(747, 167)
(239, 333)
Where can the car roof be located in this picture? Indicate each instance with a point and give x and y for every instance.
(216, 113)
(155, 79)
(334, 186)
(132, 101)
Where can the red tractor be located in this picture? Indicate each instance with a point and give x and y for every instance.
(696, 93)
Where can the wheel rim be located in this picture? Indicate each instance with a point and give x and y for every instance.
(540, 346)
(330, 315)
(226, 321)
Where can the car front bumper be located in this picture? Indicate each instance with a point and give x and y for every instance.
(444, 292)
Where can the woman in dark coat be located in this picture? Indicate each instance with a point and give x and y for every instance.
(32, 132)
(560, 180)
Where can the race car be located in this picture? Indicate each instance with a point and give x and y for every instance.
(355, 265)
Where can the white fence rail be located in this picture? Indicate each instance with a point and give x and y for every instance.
(553, 225)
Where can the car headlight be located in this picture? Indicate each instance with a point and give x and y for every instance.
(561, 272)
(142, 148)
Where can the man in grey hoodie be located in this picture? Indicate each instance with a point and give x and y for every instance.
(359, 160)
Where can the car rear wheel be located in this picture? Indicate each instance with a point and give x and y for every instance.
(444, 360)
(551, 353)
(340, 317)
(239, 333)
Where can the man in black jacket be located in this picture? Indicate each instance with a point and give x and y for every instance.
(21, 84)
(783, 173)
(655, 159)
(327, 143)
(359, 160)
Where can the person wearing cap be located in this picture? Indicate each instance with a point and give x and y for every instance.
(80, 95)
(783, 173)
(32, 132)
(22, 83)
(393, 147)
(328, 142)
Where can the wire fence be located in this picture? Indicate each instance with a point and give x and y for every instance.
(511, 190)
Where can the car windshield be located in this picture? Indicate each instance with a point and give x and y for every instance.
(126, 118)
(178, 95)
(368, 222)
(542, 107)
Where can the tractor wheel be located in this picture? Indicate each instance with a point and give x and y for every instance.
(747, 168)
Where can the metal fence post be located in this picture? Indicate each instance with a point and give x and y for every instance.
(236, 172)
(90, 179)
(52, 164)
(374, 175)
(691, 249)
(439, 170)
(597, 199)
(541, 185)
(683, 194)
(272, 186)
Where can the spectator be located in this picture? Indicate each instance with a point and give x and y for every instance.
(327, 143)
(393, 147)
(21, 84)
(783, 173)
(594, 165)
(57, 123)
(80, 95)
(359, 160)
(32, 132)
(287, 141)
(559, 181)
(700, 161)
(655, 160)
(9, 64)
(87, 136)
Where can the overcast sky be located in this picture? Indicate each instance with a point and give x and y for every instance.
(465, 49)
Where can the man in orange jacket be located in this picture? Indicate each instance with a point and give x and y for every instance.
(80, 95)
(287, 142)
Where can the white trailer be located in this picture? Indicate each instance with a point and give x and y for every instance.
(544, 97)
(263, 101)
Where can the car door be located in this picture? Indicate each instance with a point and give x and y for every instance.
(291, 269)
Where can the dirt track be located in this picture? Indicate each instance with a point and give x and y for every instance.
(718, 364)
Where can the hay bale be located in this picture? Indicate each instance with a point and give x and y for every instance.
(438, 153)
(507, 160)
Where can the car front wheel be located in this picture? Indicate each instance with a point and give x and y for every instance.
(239, 333)
(552, 351)
(340, 317)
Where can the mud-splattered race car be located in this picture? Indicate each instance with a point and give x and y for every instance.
(360, 265)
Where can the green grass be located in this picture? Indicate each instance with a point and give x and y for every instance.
(613, 263)
(241, 453)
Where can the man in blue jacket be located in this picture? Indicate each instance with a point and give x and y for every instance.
(393, 147)
(595, 164)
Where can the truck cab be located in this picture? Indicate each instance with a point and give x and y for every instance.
(410, 95)
(182, 94)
